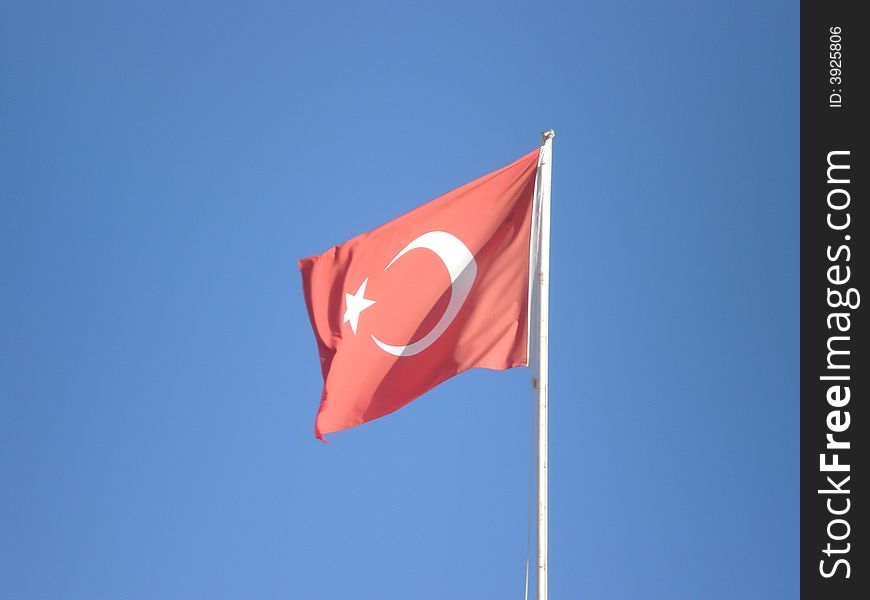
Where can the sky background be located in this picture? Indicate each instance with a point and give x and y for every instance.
(162, 167)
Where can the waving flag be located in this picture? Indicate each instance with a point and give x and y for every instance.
(435, 292)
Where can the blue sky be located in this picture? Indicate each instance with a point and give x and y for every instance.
(165, 164)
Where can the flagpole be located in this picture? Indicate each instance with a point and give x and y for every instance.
(542, 385)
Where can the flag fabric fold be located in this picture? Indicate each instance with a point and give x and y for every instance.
(435, 292)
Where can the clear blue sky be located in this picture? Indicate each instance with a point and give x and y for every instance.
(164, 164)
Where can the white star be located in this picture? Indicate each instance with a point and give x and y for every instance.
(356, 303)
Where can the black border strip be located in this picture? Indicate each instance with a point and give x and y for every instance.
(835, 369)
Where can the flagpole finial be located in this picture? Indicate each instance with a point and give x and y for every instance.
(547, 135)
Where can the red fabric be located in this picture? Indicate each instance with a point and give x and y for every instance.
(492, 218)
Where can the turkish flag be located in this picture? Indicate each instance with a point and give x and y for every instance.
(437, 291)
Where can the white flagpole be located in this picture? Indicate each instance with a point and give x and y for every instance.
(541, 380)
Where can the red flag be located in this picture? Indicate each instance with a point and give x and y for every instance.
(437, 291)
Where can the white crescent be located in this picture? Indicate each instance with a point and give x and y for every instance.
(462, 269)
